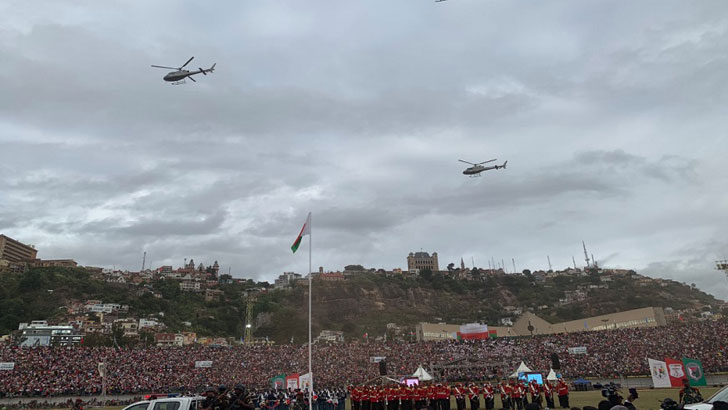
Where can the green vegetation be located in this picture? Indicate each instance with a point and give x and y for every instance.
(364, 303)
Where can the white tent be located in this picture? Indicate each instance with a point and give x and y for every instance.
(422, 374)
(522, 368)
(551, 376)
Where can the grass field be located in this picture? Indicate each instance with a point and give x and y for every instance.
(649, 398)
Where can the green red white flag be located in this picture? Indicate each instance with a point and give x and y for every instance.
(694, 371)
(306, 230)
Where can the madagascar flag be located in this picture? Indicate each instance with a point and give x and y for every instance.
(306, 230)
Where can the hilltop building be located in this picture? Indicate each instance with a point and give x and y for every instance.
(45, 263)
(15, 251)
(529, 324)
(286, 279)
(40, 333)
(331, 336)
(419, 261)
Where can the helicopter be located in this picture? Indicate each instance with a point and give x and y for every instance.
(476, 169)
(178, 77)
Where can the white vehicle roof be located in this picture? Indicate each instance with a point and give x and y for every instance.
(167, 403)
(721, 395)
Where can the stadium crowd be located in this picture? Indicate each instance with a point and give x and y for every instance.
(55, 371)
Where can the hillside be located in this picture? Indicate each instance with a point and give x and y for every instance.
(364, 303)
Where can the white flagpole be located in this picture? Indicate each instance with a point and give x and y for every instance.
(310, 280)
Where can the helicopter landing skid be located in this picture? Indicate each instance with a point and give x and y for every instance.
(476, 175)
(180, 82)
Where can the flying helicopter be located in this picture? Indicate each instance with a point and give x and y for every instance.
(178, 77)
(476, 169)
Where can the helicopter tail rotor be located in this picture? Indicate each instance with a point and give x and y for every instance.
(208, 70)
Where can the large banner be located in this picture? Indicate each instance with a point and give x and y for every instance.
(306, 382)
(675, 371)
(278, 382)
(471, 331)
(292, 381)
(577, 350)
(377, 359)
(7, 365)
(203, 363)
(658, 370)
(694, 371)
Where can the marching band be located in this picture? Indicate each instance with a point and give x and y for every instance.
(514, 395)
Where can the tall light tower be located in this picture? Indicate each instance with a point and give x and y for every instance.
(249, 320)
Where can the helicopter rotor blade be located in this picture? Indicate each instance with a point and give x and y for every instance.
(485, 162)
(161, 66)
(188, 61)
(466, 162)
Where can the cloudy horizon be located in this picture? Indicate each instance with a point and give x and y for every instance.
(610, 115)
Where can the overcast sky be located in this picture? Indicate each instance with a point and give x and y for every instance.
(612, 116)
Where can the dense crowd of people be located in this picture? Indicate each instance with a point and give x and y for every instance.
(56, 371)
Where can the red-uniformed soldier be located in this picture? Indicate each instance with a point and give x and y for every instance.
(505, 394)
(489, 396)
(516, 395)
(562, 389)
(548, 393)
(473, 393)
(535, 391)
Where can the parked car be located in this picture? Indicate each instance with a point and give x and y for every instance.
(721, 395)
(168, 403)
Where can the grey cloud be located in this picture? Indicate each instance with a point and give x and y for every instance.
(610, 117)
(189, 226)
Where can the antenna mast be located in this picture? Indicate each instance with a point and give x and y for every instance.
(549, 259)
(514, 264)
(574, 260)
(144, 261)
(586, 255)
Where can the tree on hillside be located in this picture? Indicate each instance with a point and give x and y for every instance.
(426, 274)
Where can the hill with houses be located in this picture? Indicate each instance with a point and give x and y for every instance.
(131, 307)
